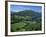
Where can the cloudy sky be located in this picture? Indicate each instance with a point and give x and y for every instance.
(17, 8)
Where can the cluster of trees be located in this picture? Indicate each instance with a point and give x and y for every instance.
(24, 23)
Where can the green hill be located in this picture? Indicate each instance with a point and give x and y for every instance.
(26, 20)
(26, 13)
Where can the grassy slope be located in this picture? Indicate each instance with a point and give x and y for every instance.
(25, 21)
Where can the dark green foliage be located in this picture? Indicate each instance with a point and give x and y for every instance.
(25, 21)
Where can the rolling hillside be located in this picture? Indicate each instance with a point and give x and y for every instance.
(33, 14)
(26, 20)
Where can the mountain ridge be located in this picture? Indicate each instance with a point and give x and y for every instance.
(26, 13)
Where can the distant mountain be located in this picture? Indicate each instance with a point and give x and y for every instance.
(33, 14)
(26, 13)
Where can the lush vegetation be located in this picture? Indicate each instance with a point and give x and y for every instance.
(27, 20)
